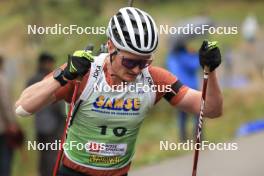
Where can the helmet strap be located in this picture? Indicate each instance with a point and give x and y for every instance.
(111, 60)
(112, 54)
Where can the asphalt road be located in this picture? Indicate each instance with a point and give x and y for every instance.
(248, 160)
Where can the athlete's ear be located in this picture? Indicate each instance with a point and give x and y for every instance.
(110, 46)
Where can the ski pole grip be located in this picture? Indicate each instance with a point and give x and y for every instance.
(206, 69)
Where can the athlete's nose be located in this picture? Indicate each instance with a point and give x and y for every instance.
(136, 70)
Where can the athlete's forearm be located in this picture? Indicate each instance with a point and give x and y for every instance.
(38, 95)
(214, 99)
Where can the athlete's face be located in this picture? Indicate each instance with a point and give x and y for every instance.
(128, 66)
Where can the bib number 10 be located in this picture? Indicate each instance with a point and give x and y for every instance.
(118, 131)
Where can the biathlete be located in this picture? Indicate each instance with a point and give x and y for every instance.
(107, 123)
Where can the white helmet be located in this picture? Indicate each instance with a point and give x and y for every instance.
(133, 30)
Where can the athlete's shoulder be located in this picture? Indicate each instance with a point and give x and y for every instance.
(161, 75)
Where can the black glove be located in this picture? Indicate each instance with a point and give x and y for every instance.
(209, 55)
(78, 64)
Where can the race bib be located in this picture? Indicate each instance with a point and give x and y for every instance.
(104, 149)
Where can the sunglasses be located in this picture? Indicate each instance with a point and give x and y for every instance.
(132, 63)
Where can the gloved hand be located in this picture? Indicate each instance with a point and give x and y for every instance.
(78, 64)
(209, 55)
